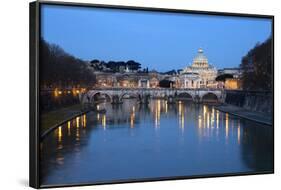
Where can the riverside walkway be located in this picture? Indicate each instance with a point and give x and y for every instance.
(259, 117)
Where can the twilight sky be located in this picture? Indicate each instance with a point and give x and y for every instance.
(161, 41)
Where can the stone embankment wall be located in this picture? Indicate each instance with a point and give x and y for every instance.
(260, 101)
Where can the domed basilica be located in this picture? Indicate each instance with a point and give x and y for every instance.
(200, 74)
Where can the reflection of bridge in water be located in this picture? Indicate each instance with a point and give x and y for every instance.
(116, 95)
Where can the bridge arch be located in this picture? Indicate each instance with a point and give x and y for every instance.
(185, 96)
(131, 94)
(94, 97)
(210, 97)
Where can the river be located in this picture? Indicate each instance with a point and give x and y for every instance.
(133, 141)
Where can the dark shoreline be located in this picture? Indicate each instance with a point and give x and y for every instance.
(258, 117)
(45, 133)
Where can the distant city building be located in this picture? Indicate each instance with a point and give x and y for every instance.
(199, 75)
(235, 72)
(127, 80)
(233, 82)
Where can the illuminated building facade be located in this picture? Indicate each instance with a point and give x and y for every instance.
(128, 80)
(199, 75)
(233, 83)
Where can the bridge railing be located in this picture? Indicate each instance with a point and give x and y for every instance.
(149, 89)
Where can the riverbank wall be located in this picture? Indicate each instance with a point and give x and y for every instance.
(257, 101)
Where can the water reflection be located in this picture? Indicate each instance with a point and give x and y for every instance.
(103, 121)
(193, 140)
(68, 128)
(238, 132)
(156, 109)
(84, 120)
(59, 134)
(226, 126)
(181, 114)
(132, 117)
(77, 122)
(218, 119)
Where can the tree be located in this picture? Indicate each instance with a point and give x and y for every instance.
(60, 69)
(257, 67)
(133, 65)
(95, 61)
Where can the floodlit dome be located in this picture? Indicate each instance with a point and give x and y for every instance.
(200, 64)
(200, 74)
(200, 60)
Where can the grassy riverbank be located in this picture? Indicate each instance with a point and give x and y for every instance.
(53, 117)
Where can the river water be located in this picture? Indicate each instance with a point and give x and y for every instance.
(133, 141)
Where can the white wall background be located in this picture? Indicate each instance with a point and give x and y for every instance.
(14, 60)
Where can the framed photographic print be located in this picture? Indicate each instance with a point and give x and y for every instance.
(132, 94)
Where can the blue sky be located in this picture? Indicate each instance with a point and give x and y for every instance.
(161, 41)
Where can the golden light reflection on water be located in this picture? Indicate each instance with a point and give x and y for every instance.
(182, 121)
(208, 119)
(205, 110)
(84, 120)
(132, 117)
(68, 128)
(194, 138)
(181, 114)
(157, 114)
(103, 121)
(77, 122)
(208, 124)
(213, 118)
(180, 107)
(59, 134)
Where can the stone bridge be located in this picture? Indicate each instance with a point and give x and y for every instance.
(116, 95)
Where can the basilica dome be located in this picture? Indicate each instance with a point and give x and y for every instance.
(200, 74)
(200, 61)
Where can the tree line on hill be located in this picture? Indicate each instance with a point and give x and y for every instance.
(116, 66)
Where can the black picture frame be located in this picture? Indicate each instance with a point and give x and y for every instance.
(34, 75)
